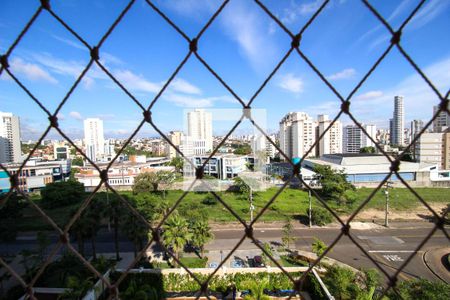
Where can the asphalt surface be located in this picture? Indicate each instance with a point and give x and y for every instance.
(390, 248)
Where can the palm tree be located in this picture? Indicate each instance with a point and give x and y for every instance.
(201, 234)
(257, 290)
(80, 229)
(176, 234)
(93, 217)
(135, 230)
(113, 211)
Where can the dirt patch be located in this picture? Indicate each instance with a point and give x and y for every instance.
(416, 213)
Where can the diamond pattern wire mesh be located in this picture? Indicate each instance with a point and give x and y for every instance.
(191, 43)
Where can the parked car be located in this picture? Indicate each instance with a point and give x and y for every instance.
(237, 264)
(258, 261)
(213, 265)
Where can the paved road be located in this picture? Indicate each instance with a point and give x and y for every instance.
(390, 248)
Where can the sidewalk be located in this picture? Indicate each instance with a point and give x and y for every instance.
(297, 225)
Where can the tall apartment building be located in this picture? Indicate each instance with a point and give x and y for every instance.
(94, 140)
(331, 142)
(397, 123)
(297, 134)
(176, 138)
(445, 163)
(10, 150)
(416, 127)
(355, 139)
(199, 128)
(428, 148)
(442, 121)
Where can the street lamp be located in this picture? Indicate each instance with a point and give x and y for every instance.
(252, 208)
(221, 256)
(310, 208)
(386, 193)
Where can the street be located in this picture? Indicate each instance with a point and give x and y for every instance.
(389, 247)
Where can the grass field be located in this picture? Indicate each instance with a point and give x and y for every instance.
(289, 203)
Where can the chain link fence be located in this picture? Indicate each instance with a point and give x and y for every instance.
(192, 54)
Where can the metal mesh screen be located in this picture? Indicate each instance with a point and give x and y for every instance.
(192, 54)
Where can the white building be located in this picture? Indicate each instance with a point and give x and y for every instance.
(355, 139)
(175, 137)
(416, 127)
(297, 134)
(10, 150)
(94, 140)
(331, 142)
(199, 125)
(442, 121)
(397, 123)
(428, 148)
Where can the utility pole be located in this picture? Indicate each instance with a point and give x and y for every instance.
(386, 213)
(310, 209)
(251, 203)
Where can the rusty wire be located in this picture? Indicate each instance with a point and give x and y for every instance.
(191, 48)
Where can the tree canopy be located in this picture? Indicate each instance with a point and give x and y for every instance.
(335, 185)
(58, 194)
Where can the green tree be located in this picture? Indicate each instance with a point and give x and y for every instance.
(243, 150)
(135, 230)
(166, 178)
(78, 161)
(335, 185)
(287, 237)
(368, 149)
(242, 187)
(340, 282)
(77, 288)
(201, 234)
(178, 163)
(58, 194)
(318, 247)
(146, 182)
(176, 234)
(114, 212)
(264, 256)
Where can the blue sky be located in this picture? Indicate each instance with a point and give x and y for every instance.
(243, 45)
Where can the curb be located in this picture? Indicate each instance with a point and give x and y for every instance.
(425, 260)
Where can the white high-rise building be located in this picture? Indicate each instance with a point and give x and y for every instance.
(331, 142)
(398, 122)
(355, 139)
(199, 124)
(416, 127)
(94, 140)
(175, 137)
(442, 121)
(297, 134)
(10, 150)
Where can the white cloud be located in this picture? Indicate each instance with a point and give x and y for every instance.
(344, 74)
(69, 42)
(76, 115)
(418, 96)
(31, 71)
(195, 102)
(136, 82)
(427, 13)
(249, 29)
(295, 10)
(370, 95)
(291, 83)
(182, 86)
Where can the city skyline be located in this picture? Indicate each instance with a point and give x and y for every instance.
(250, 47)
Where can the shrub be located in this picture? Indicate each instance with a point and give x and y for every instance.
(320, 216)
(210, 200)
(421, 289)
